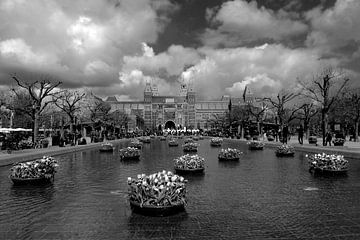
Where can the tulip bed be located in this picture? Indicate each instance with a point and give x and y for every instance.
(136, 144)
(173, 142)
(229, 154)
(40, 168)
(26, 144)
(285, 150)
(188, 140)
(190, 147)
(325, 162)
(339, 141)
(216, 141)
(256, 145)
(158, 189)
(189, 162)
(105, 147)
(129, 152)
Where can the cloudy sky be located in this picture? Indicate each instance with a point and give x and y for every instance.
(113, 47)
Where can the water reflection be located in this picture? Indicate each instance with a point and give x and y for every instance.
(42, 192)
(152, 227)
(229, 164)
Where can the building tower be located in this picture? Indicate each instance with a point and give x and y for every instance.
(191, 100)
(147, 106)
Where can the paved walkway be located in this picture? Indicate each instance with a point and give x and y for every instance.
(350, 149)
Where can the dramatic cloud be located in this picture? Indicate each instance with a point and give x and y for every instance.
(238, 22)
(266, 69)
(78, 42)
(172, 61)
(335, 27)
(112, 47)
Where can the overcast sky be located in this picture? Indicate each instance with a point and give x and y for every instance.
(113, 46)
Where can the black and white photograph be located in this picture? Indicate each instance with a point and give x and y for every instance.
(179, 119)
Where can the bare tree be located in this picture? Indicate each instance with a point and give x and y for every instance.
(257, 111)
(308, 111)
(325, 89)
(40, 96)
(284, 113)
(69, 102)
(350, 105)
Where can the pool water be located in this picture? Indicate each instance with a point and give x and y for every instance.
(260, 197)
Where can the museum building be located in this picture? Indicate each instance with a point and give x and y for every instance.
(161, 112)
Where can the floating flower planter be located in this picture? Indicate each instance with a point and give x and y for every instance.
(229, 154)
(106, 147)
(158, 194)
(285, 151)
(173, 143)
(38, 172)
(328, 164)
(216, 142)
(190, 147)
(195, 138)
(129, 153)
(136, 144)
(189, 164)
(256, 145)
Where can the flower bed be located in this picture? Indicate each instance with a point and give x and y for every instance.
(312, 140)
(216, 141)
(339, 141)
(270, 138)
(173, 143)
(189, 163)
(34, 172)
(160, 194)
(229, 154)
(327, 163)
(256, 145)
(285, 150)
(190, 147)
(195, 138)
(26, 144)
(129, 153)
(106, 147)
(136, 144)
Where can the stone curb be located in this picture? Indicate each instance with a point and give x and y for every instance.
(9, 159)
(313, 149)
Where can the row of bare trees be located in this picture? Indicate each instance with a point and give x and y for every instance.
(32, 100)
(328, 93)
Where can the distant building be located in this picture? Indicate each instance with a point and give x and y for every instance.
(170, 111)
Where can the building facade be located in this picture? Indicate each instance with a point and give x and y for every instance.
(161, 112)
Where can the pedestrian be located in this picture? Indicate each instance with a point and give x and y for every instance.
(285, 132)
(301, 134)
(328, 138)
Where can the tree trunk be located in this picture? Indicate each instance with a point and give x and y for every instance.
(356, 130)
(324, 123)
(36, 126)
(306, 130)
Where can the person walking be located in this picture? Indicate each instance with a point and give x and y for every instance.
(328, 138)
(301, 134)
(285, 132)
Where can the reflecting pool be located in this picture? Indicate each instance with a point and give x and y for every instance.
(261, 196)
